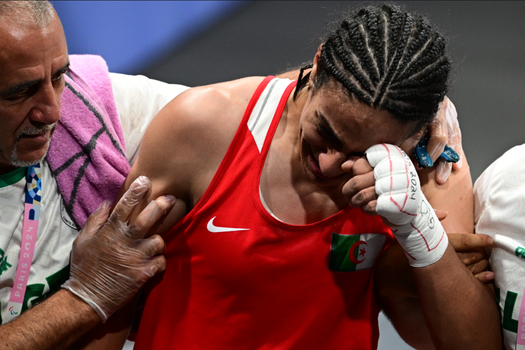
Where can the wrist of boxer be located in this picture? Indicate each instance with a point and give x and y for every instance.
(424, 240)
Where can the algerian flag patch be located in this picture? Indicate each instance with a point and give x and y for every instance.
(354, 252)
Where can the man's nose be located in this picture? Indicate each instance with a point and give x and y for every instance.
(47, 105)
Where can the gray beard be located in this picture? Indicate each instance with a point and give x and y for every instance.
(25, 163)
(29, 131)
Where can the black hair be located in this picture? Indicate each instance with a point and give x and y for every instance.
(388, 58)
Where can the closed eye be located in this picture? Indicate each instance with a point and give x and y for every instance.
(21, 91)
(60, 74)
(327, 132)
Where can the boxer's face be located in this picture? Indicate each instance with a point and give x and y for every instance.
(335, 127)
(32, 65)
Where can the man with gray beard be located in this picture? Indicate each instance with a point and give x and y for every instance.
(47, 192)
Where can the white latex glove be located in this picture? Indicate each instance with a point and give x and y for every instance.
(111, 260)
(444, 130)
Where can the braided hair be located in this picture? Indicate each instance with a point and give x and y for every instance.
(389, 59)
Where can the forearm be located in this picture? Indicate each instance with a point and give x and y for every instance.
(396, 293)
(109, 335)
(460, 311)
(406, 316)
(456, 198)
(454, 310)
(54, 324)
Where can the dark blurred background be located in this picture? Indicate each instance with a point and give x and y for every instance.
(203, 42)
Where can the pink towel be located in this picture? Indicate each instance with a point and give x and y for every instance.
(87, 150)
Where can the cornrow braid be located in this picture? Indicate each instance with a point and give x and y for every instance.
(401, 36)
(349, 82)
(389, 59)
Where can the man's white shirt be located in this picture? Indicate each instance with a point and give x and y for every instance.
(138, 100)
(499, 198)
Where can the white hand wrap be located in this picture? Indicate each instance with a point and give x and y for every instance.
(402, 203)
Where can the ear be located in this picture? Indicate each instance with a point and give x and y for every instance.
(317, 57)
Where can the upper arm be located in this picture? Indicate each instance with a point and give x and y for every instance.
(184, 146)
(455, 196)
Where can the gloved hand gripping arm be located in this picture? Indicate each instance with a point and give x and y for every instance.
(110, 260)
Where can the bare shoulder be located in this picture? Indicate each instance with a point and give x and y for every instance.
(209, 104)
(185, 143)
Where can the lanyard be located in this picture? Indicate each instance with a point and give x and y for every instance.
(33, 198)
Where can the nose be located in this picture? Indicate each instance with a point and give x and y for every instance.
(46, 109)
(330, 163)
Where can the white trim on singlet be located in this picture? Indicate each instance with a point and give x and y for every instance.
(264, 110)
(262, 116)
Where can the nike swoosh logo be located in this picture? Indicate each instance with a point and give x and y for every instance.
(212, 228)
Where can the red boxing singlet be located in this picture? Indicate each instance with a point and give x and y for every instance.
(238, 278)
